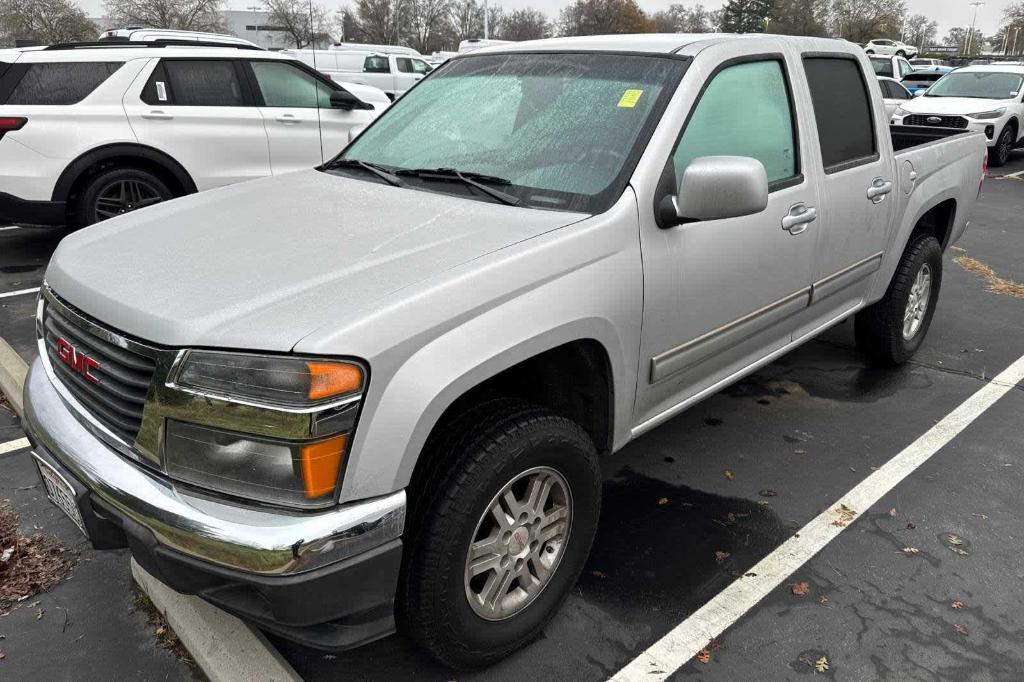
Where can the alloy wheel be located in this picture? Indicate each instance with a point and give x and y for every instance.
(124, 196)
(917, 302)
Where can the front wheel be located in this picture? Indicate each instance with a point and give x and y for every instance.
(499, 534)
(1003, 146)
(890, 331)
(901, 53)
(869, 51)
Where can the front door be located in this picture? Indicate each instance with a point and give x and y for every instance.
(720, 295)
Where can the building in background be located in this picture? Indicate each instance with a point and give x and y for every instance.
(254, 25)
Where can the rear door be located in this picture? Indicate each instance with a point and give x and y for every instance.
(722, 294)
(200, 112)
(857, 188)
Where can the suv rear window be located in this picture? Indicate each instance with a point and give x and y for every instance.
(203, 83)
(60, 82)
(842, 111)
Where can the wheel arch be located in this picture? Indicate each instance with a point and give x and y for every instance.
(84, 166)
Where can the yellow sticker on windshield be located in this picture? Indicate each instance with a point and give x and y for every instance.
(630, 98)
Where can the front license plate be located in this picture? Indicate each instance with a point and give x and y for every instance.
(60, 492)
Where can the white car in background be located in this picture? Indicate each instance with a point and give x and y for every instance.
(922, 63)
(982, 98)
(392, 73)
(893, 94)
(893, 47)
(91, 131)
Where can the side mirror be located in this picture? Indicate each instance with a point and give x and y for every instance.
(343, 99)
(717, 187)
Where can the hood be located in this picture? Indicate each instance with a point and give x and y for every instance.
(956, 106)
(368, 94)
(262, 264)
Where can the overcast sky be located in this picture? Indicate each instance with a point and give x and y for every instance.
(948, 13)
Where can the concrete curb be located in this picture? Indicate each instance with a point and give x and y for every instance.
(12, 376)
(225, 648)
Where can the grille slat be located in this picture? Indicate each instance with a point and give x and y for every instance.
(118, 398)
(944, 121)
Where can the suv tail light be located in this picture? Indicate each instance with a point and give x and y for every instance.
(9, 123)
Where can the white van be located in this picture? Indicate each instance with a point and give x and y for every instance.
(392, 73)
(382, 49)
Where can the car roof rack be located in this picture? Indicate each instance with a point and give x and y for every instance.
(169, 42)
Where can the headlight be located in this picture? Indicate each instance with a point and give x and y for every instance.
(303, 411)
(268, 380)
(900, 111)
(988, 114)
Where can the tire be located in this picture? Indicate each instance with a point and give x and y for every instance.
(96, 201)
(901, 53)
(1001, 152)
(881, 330)
(869, 51)
(474, 459)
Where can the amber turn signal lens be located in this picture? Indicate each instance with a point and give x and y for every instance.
(329, 379)
(321, 463)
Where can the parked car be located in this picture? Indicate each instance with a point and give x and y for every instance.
(891, 67)
(893, 94)
(986, 99)
(155, 35)
(921, 79)
(891, 47)
(381, 390)
(394, 74)
(921, 63)
(377, 49)
(90, 132)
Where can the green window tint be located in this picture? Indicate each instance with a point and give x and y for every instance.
(283, 85)
(745, 111)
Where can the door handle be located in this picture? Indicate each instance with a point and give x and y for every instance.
(288, 118)
(157, 115)
(879, 188)
(799, 218)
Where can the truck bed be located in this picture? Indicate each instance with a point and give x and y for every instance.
(905, 137)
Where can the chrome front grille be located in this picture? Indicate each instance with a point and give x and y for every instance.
(942, 122)
(114, 390)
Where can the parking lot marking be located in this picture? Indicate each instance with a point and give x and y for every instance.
(19, 292)
(683, 642)
(12, 445)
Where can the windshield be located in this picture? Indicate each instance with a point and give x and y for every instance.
(558, 131)
(882, 66)
(978, 84)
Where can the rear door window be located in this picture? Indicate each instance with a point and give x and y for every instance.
(404, 65)
(60, 83)
(842, 110)
(376, 65)
(202, 83)
(883, 67)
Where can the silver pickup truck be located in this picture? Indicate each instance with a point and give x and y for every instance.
(376, 393)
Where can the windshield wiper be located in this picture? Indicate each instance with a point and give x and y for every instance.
(476, 180)
(379, 171)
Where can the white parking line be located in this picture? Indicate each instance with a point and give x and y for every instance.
(19, 292)
(684, 641)
(12, 445)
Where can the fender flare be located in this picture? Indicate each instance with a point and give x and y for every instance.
(74, 170)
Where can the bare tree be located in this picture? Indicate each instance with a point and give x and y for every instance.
(428, 24)
(800, 17)
(190, 15)
(596, 17)
(380, 21)
(679, 18)
(44, 21)
(305, 22)
(524, 24)
(920, 30)
(862, 20)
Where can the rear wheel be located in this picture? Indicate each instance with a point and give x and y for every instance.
(890, 331)
(499, 530)
(117, 191)
(1004, 145)
(901, 53)
(869, 51)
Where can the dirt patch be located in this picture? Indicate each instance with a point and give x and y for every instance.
(3, 402)
(163, 634)
(996, 284)
(28, 565)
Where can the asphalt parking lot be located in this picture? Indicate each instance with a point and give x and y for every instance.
(925, 584)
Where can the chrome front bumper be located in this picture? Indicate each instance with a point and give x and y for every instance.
(253, 539)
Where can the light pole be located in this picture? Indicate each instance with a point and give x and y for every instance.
(1013, 50)
(487, 22)
(970, 34)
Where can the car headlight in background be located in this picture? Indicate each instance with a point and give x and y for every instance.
(988, 114)
(316, 398)
(900, 111)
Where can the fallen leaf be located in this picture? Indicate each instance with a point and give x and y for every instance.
(892, 513)
(767, 492)
(821, 665)
(729, 475)
(39, 614)
(845, 516)
(598, 574)
(160, 630)
(2, 655)
(704, 656)
(800, 589)
(911, 526)
(954, 540)
(799, 452)
(961, 552)
(731, 517)
(961, 629)
(911, 550)
(662, 500)
(721, 556)
(957, 604)
(806, 660)
(823, 601)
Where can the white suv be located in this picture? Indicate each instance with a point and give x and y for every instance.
(894, 47)
(90, 131)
